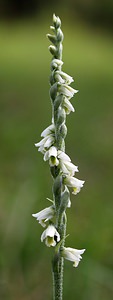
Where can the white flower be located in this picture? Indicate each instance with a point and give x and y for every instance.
(68, 106)
(51, 154)
(44, 215)
(63, 77)
(50, 129)
(56, 63)
(59, 157)
(65, 163)
(75, 183)
(66, 90)
(51, 236)
(48, 139)
(45, 143)
(72, 255)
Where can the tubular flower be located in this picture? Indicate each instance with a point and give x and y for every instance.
(58, 157)
(63, 77)
(72, 255)
(66, 165)
(75, 183)
(67, 106)
(51, 155)
(50, 129)
(66, 90)
(48, 139)
(45, 215)
(50, 236)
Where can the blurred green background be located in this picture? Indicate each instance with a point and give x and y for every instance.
(25, 181)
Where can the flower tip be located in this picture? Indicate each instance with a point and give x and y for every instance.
(36, 144)
(54, 16)
(76, 91)
(33, 215)
(83, 250)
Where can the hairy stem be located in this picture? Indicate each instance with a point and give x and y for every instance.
(59, 117)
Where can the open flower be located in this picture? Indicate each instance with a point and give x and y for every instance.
(58, 157)
(65, 163)
(75, 183)
(50, 129)
(67, 106)
(66, 90)
(63, 77)
(45, 215)
(51, 155)
(50, 236)
(48, 139)
(72, 255)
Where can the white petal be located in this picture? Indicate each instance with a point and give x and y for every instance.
(76, 263)
(50, 231)
(49, 141)
(67, 90)
(75, 251)
(63, 168)
(48, 130)
(41, 143)
(69, 107)
(71, 167)
(58, 78)
(41, 149)
(46, 155)
(67, 78)
(63, 156)
(42, 223)
(74, 182)
(44, 213)
(53, 151)
(43, 236)
(49, 234)
(73, 255)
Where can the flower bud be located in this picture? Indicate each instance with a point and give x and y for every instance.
(56, 21)
(53, 50)
(52, 38)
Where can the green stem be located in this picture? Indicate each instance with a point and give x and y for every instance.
(58, 261)
(59, 117)
(57, 268)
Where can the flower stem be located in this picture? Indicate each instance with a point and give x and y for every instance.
(58, 264)
(59, 118)
(57, 268)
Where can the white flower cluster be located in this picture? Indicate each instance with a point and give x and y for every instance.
(67, 169)
(59, 158)
(63, 81)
